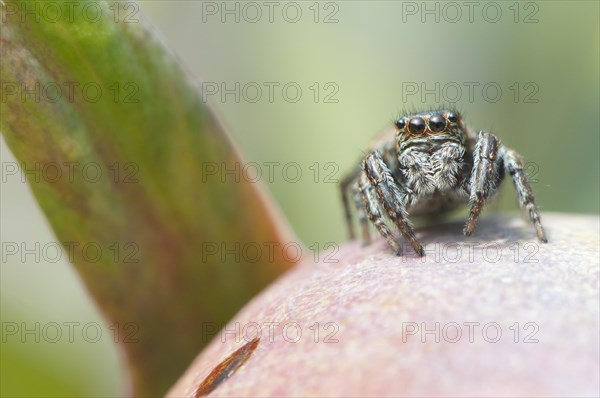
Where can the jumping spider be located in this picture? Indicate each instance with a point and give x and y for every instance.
(429, 163)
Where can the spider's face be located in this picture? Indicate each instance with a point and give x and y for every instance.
(429, 125)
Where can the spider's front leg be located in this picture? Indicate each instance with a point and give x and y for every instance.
(379, 177)
(514, 167)
(362, 193)
(490, 160)
(345, 185)
(485, 176)
(370, 204)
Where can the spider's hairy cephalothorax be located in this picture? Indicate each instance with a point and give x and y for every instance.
(428, 163)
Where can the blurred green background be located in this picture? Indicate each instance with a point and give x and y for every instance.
(544, 56)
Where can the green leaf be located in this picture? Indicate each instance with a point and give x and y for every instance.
(141, 215)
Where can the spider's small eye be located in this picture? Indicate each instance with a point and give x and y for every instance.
(400, 123)
(437, 123)
(452, 117)
(416, 125)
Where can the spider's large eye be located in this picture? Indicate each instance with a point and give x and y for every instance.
(452, 117)
(416, 125)
(437, 123)
(400, 123)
